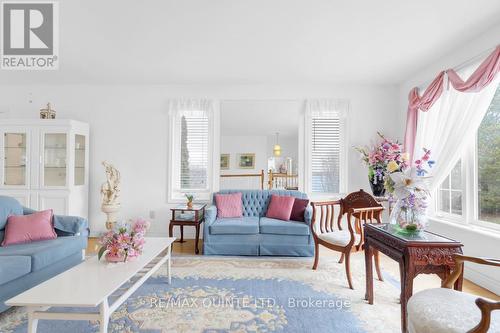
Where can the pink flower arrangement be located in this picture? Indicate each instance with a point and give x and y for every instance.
(125, 242)
(380, 155)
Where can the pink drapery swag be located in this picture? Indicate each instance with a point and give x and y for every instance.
(481, 77)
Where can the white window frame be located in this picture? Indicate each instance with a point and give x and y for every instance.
(447, 215)
(174, 193)
(474, 186)
(343, 165)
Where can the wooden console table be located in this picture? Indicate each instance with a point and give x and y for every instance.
(420, 253)
(187, 216)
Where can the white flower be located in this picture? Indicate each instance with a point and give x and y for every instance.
(407, 182)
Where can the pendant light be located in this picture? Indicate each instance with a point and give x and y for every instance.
(277, 147)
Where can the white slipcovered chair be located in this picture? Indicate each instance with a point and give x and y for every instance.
(444, 310)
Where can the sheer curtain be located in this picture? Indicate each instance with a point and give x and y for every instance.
(325, 145)
(193, 153)
(473, 82)
(450, 124)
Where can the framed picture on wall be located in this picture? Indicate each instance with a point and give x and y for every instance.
(224, 161)
(246, 161)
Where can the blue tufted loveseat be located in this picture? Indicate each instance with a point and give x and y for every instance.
(255, 234)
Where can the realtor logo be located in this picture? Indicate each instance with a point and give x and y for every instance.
(30, 35)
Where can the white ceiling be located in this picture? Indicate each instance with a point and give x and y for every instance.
(260, 118)
(257, 41)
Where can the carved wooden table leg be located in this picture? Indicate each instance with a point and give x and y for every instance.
(406, 288)
(170, 229)
(402, 298)
(197, 238)
(369, 272)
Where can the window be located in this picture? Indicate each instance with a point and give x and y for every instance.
(325, 132)
(488, 164)
(472, 190)
(193, 153)
(450, 192)
(325, 154)
(190, 154)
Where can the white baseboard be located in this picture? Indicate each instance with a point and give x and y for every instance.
(482, 279)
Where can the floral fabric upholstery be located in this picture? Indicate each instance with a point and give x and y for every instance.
(339, 237)
(443, 310)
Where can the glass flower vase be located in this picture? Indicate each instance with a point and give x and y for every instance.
(407, 217)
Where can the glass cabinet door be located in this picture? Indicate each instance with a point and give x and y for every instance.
(55, 159)
(80, 150)
(15, 159)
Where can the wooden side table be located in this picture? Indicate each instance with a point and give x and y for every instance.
(420, 253)
(183, 215)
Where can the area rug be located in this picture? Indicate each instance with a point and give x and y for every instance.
(235, 294)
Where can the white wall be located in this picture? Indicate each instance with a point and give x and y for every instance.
(477, 242)
(128, 128)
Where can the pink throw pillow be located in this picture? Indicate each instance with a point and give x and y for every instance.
(280, 207)
(29, 228)
(229, 205)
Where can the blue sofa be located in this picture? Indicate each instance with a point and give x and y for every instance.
(254, 234)
(23, 266)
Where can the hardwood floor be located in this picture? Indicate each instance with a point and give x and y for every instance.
(387, 264)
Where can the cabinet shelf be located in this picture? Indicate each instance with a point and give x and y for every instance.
(15, 147)
(15, 166)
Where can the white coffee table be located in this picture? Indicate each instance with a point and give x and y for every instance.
(90, 283)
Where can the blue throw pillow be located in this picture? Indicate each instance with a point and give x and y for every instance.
(8, 206)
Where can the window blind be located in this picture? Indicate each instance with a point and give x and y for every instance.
(193, 150)
(325, 152)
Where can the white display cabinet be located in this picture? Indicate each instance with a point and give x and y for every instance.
(44, 163)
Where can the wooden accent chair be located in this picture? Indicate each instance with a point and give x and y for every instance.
(359, 207)
(441, 310)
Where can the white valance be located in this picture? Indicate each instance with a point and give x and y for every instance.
(327, 107)
(192, 104)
